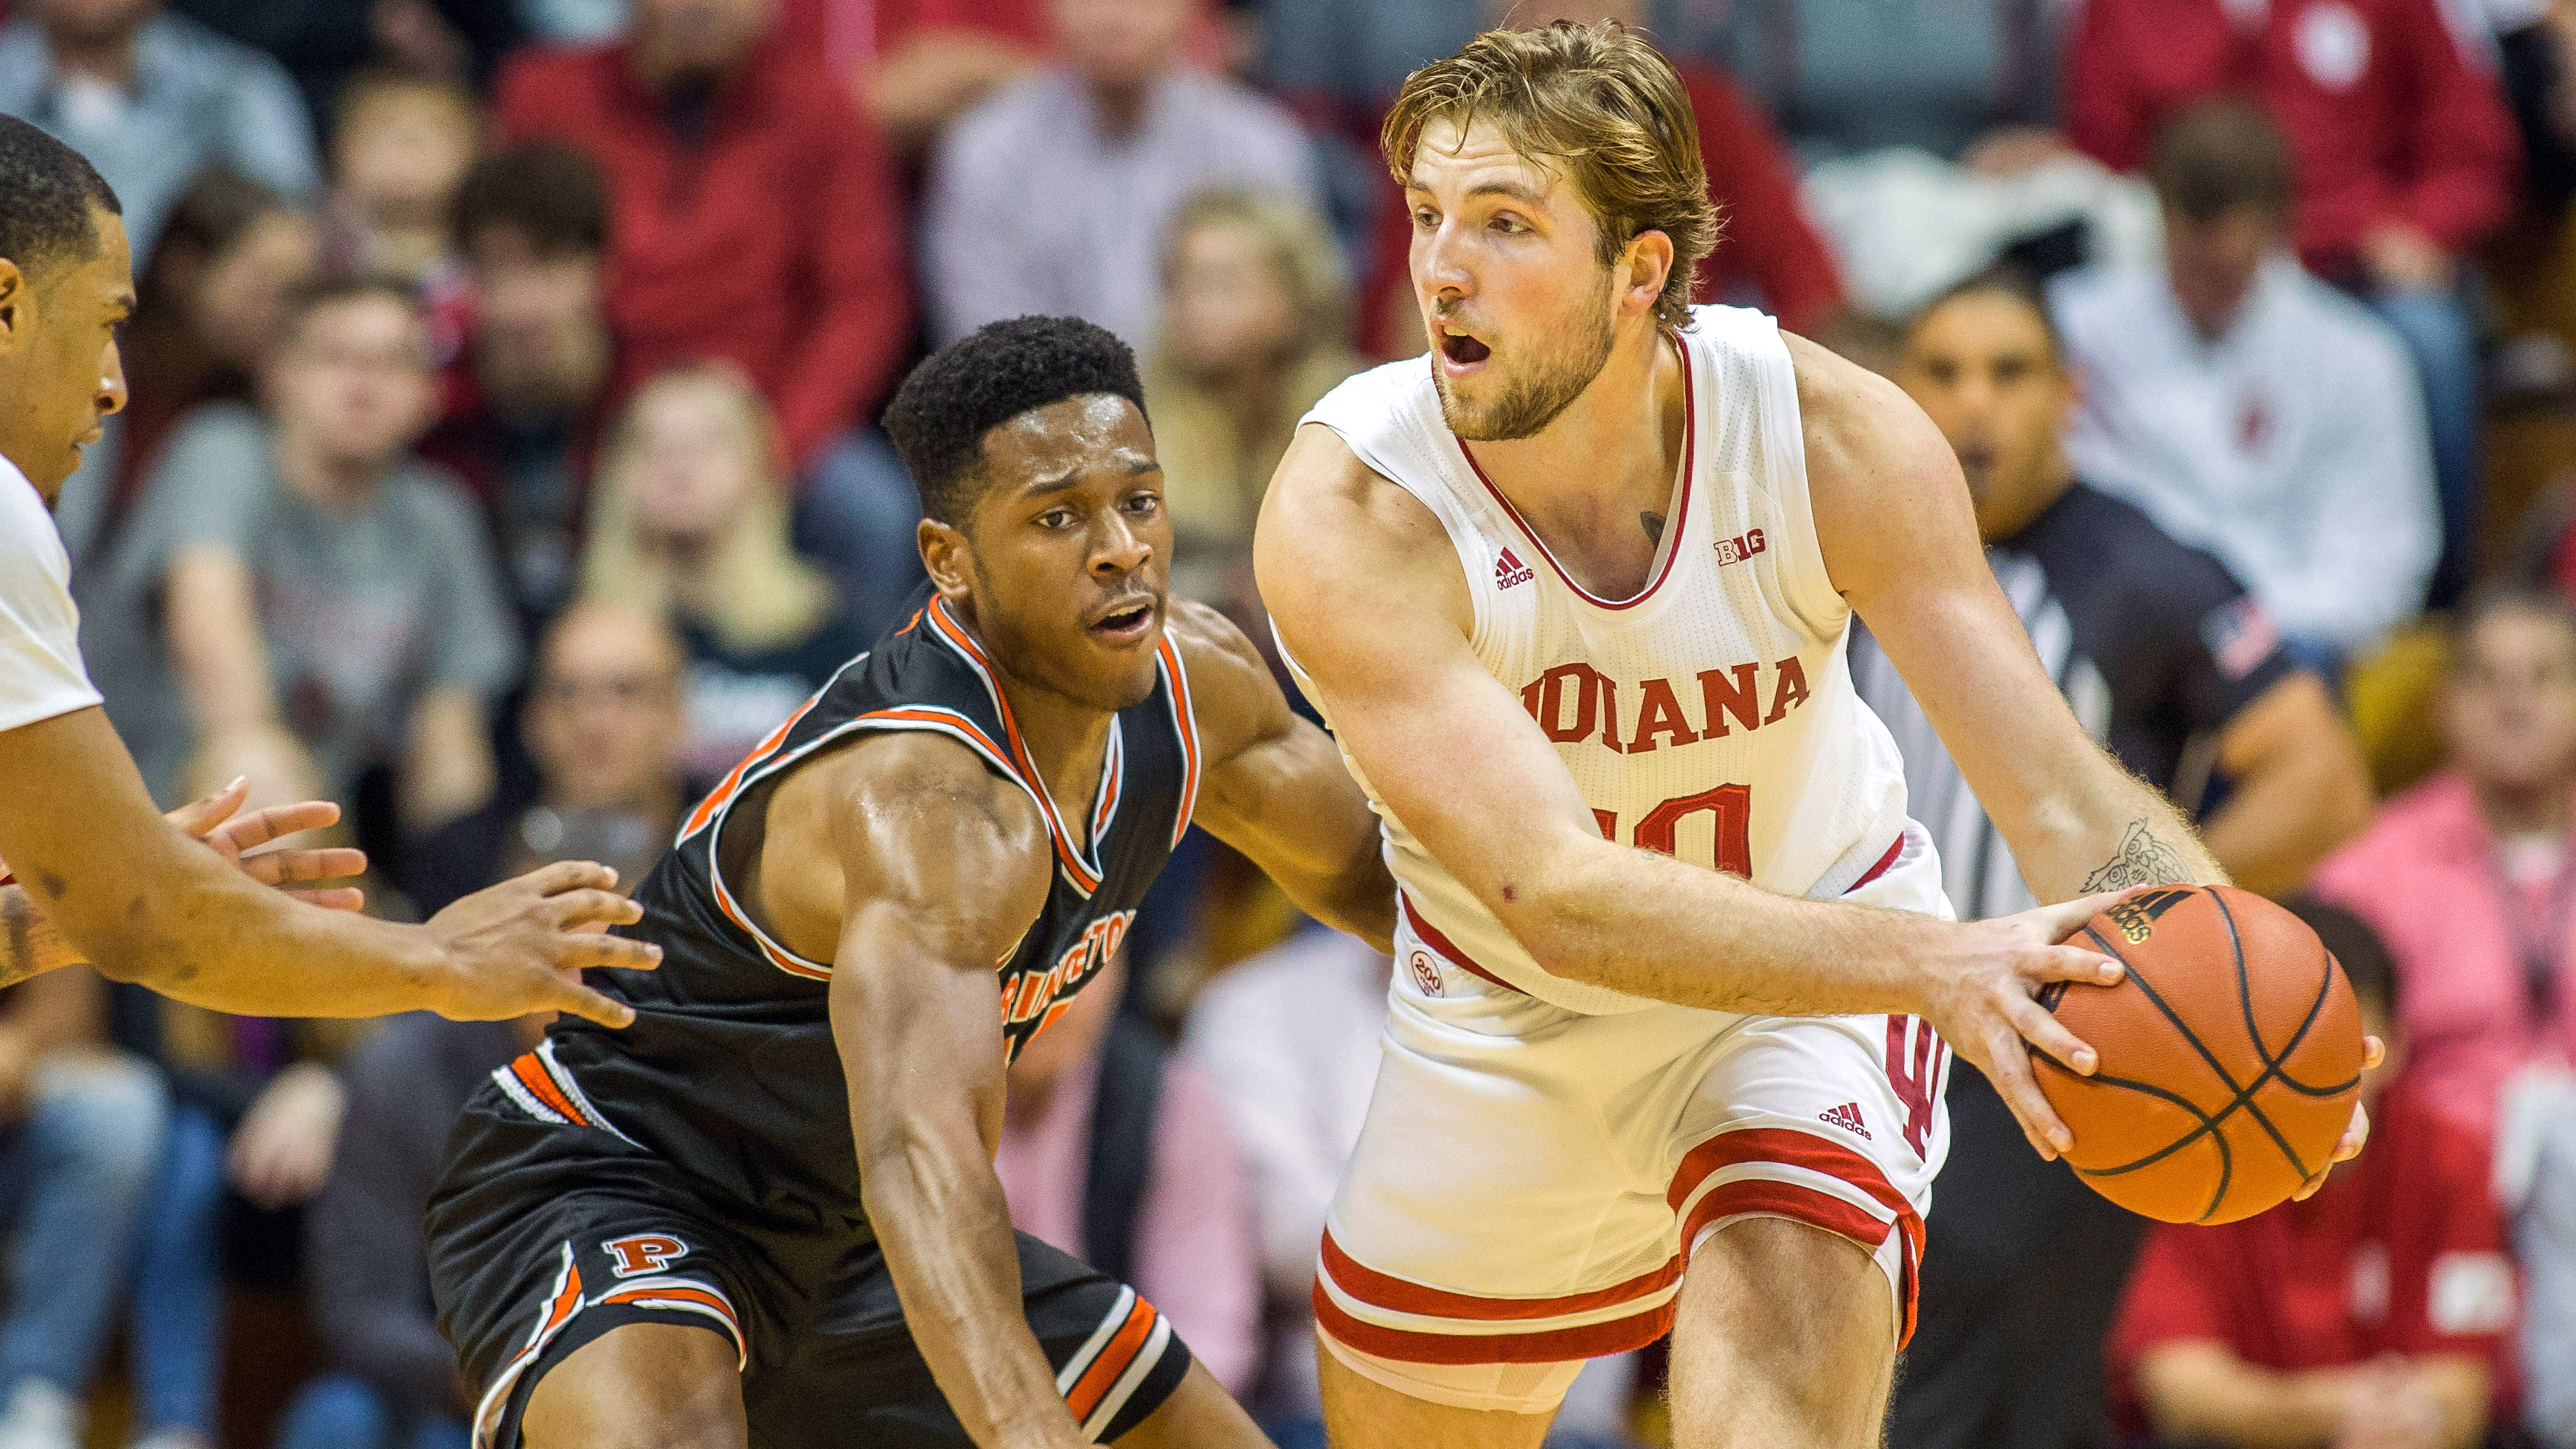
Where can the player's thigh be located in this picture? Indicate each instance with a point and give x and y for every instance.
(641, 1386)
(1785, 1339)
(1361, 1413)
(1200, 1414)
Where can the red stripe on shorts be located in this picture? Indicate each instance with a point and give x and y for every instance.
(1799, 1202)
(1552, 1345)
(1396, 1295)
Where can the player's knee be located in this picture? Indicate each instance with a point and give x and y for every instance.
(1773, 1290)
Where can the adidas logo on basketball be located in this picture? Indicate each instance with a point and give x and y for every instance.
(1847, 1117)
(1509, 570)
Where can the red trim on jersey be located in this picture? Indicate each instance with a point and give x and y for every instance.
(1113, 1362)
(1084, 877)
(7, 879)
(1681, 510)
(1397, 1295)
(1432, 937)
(1549, 1345)
(1886, 863)
(1185, 721)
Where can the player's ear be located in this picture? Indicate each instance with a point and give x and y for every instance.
(14, 299)
(943, 557)
(1649, 261)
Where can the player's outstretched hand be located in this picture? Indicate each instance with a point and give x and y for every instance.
(2356, 1133)
(522, 945)
(234, 836)
(1982, 996)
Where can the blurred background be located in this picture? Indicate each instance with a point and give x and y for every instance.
(503, 462)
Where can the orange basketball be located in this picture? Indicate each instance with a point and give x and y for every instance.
(2230, 1055)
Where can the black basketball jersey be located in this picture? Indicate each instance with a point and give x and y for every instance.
(729, 1071)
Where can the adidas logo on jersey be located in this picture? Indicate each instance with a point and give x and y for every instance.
(1847, 1117)
(1509, 570)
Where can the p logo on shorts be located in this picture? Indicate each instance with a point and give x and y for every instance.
(644, 1253)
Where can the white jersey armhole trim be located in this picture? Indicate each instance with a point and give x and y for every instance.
(1808, 587)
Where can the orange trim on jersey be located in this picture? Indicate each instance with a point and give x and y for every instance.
(1185, 721)
(532, 1074)
(1113, 1362)
(1432, 937)
(1084, 877)
(716, 798)
(1547, 1345)
(1681, 510)
(1113, 777)
(1398, 1295)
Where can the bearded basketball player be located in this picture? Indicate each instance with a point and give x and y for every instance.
(1676, 983)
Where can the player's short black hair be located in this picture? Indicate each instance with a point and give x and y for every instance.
(549, 191)
(46, 192)
(2367, 963)
(2008, 280)
(940, 415)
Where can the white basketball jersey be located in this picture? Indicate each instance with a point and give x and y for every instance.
(1711, 716)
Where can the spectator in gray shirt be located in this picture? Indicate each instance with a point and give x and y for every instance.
(1052, 196)
(152, 99)
(302, 581)
(2544, 1238)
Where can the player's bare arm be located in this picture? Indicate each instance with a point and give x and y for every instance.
(147, 904)
(1276, 788)
(913, 868)
(1900, 543)
(1370, 600)
(30, 943)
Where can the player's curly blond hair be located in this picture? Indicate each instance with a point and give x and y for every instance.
(1602, 104)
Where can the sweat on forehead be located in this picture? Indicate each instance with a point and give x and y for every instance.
(942, 414)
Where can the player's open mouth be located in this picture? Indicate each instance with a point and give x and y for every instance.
(1128, 623)
(1461, 349)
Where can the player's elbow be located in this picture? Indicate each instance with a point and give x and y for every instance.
(1555, 910)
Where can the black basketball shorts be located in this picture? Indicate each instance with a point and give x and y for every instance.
(544, 1236)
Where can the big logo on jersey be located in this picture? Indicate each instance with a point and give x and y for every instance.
(1572, 701)
(1032, 1000)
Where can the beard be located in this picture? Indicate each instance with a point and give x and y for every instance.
(1538, 391)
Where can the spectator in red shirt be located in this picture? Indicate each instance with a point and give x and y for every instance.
(753, 218)
(2375, 1315)
(1768, 250)
(2406, 159)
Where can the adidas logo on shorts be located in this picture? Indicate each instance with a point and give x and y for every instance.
(1509, 570)
(1847, 1117)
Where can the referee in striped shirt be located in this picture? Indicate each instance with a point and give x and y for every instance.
(2172, 665)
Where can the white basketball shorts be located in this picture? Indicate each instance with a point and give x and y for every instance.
(1531, 1181)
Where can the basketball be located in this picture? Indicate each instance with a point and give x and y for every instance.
(2230, 1052)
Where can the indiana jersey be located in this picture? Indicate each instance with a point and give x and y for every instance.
(730, 1071)
(1711, 715)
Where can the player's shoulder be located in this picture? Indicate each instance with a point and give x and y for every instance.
(889, 777)
(1853, 420)
(1340, 540)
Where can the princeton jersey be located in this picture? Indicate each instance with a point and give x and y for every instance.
(1711, 716)
(730, 1072)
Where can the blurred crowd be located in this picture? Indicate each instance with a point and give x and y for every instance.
(502, 464)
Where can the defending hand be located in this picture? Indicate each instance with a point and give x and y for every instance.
(522, 945)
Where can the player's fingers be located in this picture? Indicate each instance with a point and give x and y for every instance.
(258, 828)
(616, 953)
(589, 1005)
(2014, 1082)
(2356, 1135)
(2079, 964)
(2373, 1052)
(338, 898)
(197, 817)
(2040, 1027)
(2066, 917)
(577, 909)
(289, 867)
(568, 875)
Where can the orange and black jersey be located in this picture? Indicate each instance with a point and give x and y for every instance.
(730, 1072)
